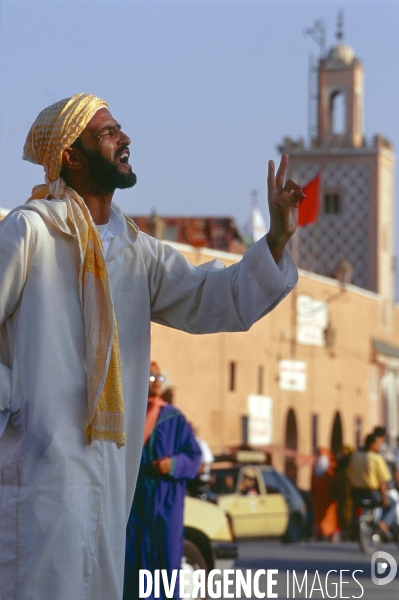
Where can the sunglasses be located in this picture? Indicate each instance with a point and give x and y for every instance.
(156, 377)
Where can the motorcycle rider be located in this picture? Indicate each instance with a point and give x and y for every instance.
(393, 466)
(369, 476)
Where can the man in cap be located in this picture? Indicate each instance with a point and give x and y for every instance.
(79, 285)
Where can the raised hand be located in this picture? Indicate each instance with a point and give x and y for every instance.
(283, 207)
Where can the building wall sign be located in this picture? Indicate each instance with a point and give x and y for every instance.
(312, 320)
(260, 420)
(292, 375)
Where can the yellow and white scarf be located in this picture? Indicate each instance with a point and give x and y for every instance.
(56, 128)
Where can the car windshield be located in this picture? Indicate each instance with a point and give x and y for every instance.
(272, 483)
(223, 481)
(290, 487)
(279, 483)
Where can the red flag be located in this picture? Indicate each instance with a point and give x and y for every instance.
(309, 206)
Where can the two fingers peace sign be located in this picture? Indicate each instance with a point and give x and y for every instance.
(290, 193)
(283, 201)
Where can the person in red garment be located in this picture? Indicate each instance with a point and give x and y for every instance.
(325, 515)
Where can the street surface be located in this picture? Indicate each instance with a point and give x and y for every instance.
(319, 557)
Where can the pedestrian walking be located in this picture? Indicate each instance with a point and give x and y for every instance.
(325, 517)
(171, 455)
(342, 492)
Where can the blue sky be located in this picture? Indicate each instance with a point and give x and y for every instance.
(206, 89)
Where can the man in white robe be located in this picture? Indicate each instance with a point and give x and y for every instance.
(79, 286)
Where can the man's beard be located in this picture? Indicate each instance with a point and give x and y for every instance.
(106, 174)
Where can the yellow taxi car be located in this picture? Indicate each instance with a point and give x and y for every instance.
(208, 538)
(253, 512)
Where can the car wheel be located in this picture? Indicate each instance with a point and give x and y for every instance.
(193, 556)
(294, 529)
(193, 559)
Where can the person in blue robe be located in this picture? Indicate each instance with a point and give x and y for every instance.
(171, 455)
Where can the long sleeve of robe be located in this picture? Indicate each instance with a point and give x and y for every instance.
(154, 534)
(64, 504)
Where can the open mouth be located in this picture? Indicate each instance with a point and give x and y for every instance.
(124, 157)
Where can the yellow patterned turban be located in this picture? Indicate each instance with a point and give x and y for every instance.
(56, 128)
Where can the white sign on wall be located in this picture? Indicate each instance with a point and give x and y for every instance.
(312, 321)
(292, 375)
(260, 420)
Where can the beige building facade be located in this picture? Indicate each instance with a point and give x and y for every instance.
(322, 369)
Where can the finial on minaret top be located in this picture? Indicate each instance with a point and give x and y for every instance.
(340, 52)
(340, 26)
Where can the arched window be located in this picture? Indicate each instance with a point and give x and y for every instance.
(336, 434)
(291, 443)
(338, 112)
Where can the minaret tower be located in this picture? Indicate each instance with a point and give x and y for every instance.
(340, 97)
(355, 220)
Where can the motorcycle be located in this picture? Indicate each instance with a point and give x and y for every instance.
(370, 536)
